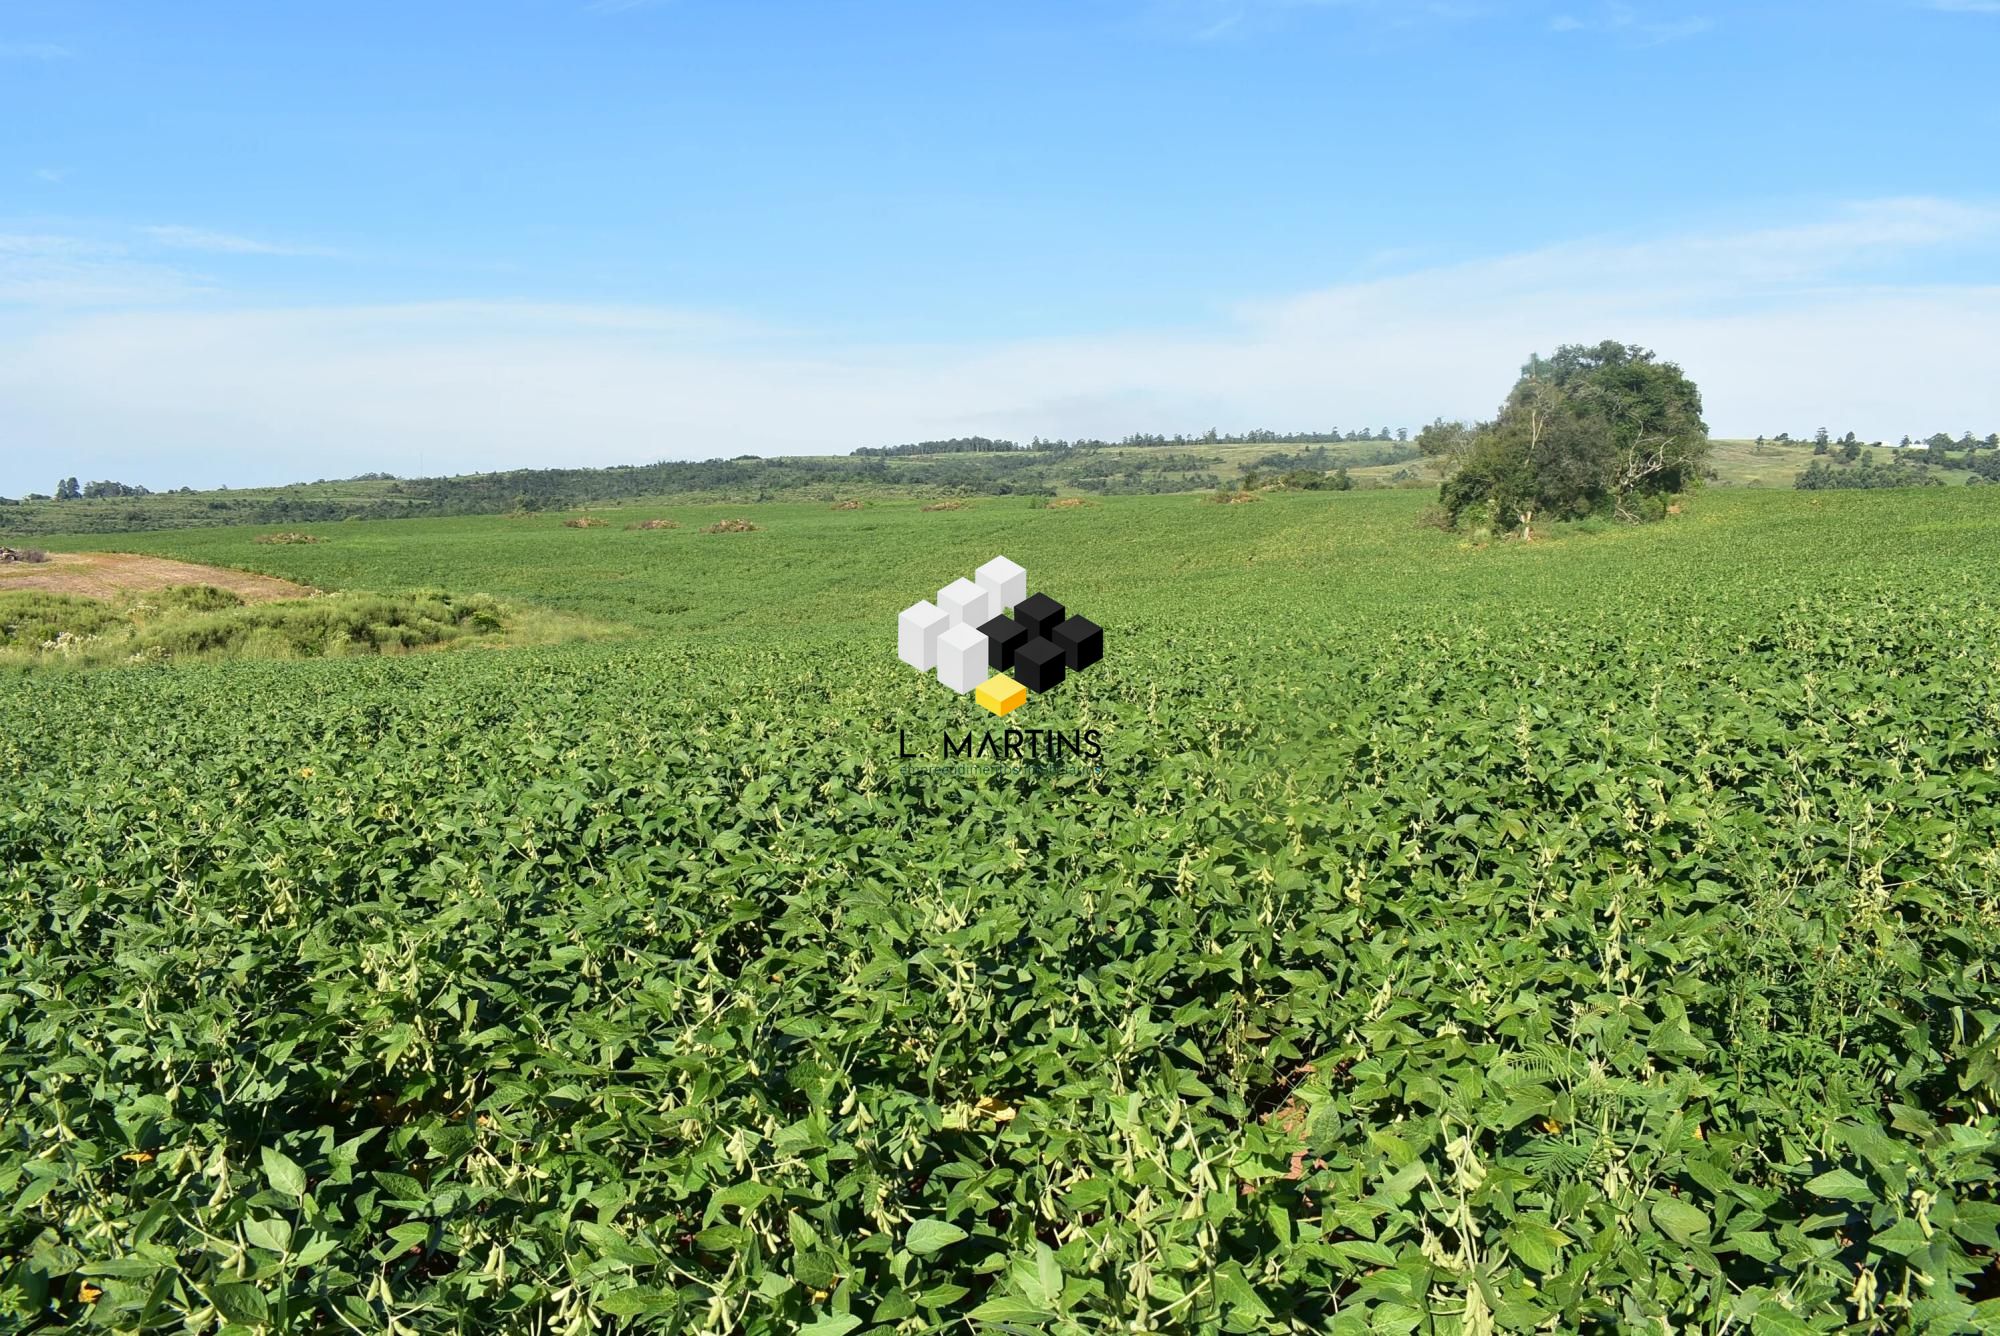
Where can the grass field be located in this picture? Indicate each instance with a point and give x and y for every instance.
(1597, 934)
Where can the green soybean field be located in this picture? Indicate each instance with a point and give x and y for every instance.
(1593, 934)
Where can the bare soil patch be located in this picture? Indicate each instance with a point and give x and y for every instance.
(110, 575)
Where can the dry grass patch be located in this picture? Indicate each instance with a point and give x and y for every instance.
(274, 539)
(731, 526)
(653, 524)
(113, 575)
(944, 505)
(584, 522)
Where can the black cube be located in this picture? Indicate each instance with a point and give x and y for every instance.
(1082, 642)
(1040, 614)
(1003, 635)
(1038, 664)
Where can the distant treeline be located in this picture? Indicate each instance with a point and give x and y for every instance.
(1824, 442)
(958, 445)
(1903, 468)
(1822, 476)
(1259, 436)
(971, 466)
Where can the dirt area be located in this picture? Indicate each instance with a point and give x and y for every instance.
(109, 575)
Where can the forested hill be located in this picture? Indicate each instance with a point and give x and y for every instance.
(1054, 468)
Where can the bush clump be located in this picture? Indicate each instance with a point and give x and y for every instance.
(201, 622)
(191, 598)
(653, 524)
(584, 522)
(286, 538)
(731, 526)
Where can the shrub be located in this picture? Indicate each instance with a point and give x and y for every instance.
(199, 621)
(195, 598)
(31, 618)
(653, 524)
(286, 538)
(584, 522)
(731, 526)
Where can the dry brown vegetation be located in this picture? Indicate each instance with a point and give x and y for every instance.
(286, 538)
(731, 526)
(653, 524)
(1070, 503)
(945, 505)
(584, 522)
(110, 575)
(845, 505)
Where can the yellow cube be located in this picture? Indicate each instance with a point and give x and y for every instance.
(1001, 694)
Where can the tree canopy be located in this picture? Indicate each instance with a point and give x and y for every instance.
(1603, 429)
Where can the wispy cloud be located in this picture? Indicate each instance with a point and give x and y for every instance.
(1783, 328)
(1210, 20)
(64, 272)
(1627, 22)
(226, 243)
(34, 51)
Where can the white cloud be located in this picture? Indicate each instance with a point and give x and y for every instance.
(1784, 328)
(1626, 22)
(42, 270)
(224, 243)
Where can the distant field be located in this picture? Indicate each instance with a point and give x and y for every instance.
(1597, 934)
(1109, 470)
(1093, 471)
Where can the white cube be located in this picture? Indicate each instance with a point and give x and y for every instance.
(967, 604)
(1004, 580)
(917, 632)
(961, 658)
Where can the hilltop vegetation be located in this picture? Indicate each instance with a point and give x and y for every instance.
(931, 469)
(1595, 934)
(1140, 464)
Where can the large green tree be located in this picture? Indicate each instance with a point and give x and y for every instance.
(1604, 429)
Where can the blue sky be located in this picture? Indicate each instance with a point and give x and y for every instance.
(250, 243)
